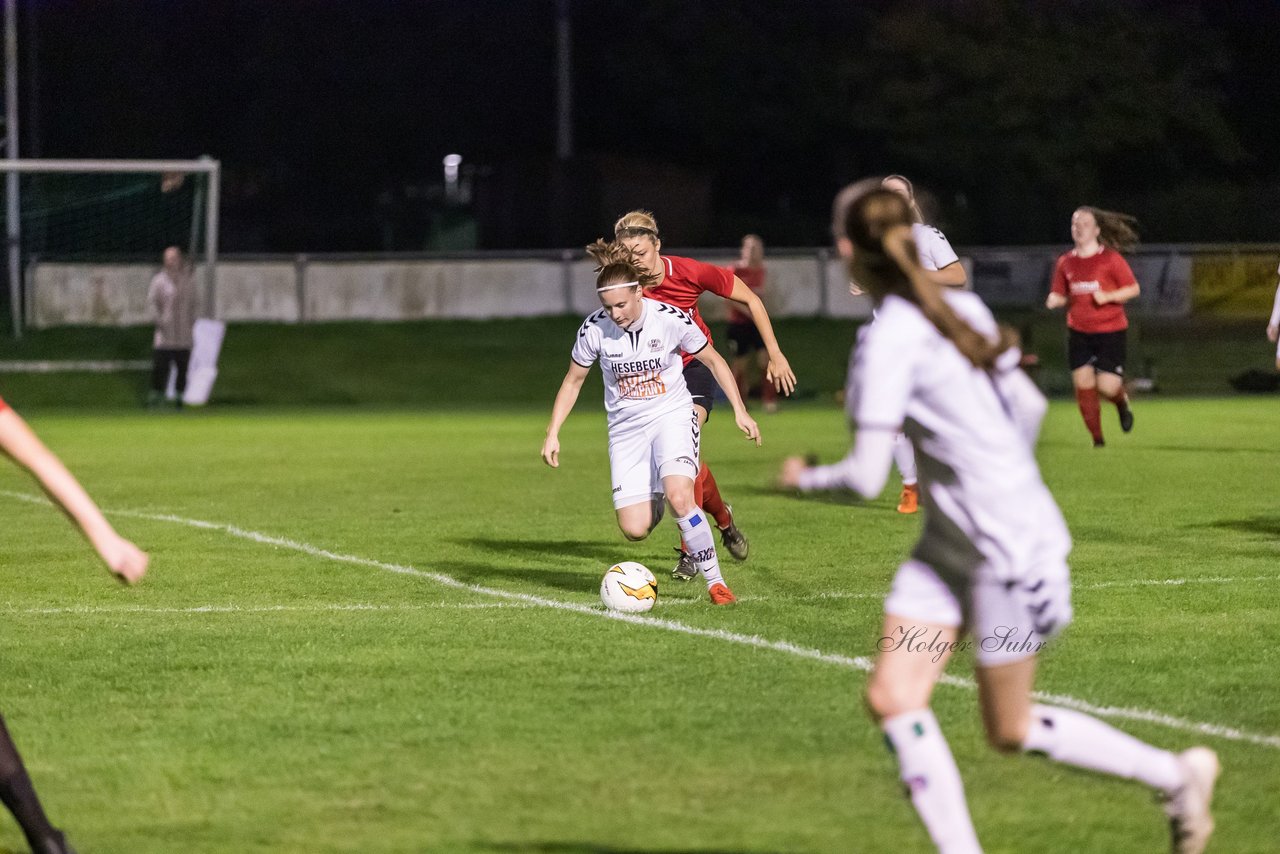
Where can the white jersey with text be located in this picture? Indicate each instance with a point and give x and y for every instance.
(986, 506)
(642, 366)
(934, 248)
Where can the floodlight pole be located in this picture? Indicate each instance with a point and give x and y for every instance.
(13, 226)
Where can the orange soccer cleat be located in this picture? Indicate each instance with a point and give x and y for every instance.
(721, 595)
(909, 501)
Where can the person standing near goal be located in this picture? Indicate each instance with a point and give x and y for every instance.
(679, 282)
(125, 560)
(943, 266)
(1094, 282)
(653, 429)
(172, 299)
(991, 558)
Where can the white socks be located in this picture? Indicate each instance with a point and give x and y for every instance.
(701, 546)
(932, 780)
(1074, 738)
(905, 458)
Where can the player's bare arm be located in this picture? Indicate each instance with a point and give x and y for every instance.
(1055, 300)
(125, 560)
(1119, 295)
(724, 376)
(779, 370)
(566, 397)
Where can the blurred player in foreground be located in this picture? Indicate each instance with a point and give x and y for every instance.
(943, 267)
(991, 559)
(1094, 282)
(653, 429)
(1273, 325)
(679, 282)
(122, 558)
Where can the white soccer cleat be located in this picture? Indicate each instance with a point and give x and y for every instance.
(1190, 821)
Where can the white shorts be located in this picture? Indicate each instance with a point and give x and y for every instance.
(1006, 620)
(642, 456)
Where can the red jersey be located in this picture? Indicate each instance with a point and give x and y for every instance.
(3, 405)
(1079, 278)
(685, 281)
(753, 277)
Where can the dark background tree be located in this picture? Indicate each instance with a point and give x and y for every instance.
(331, 116)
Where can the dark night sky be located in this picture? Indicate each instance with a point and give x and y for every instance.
(318, 108)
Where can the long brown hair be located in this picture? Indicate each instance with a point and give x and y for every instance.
(614, 265)
(878, 223)
(1117, 230)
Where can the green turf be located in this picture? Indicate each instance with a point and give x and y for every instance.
(449, 364)
(435, 721)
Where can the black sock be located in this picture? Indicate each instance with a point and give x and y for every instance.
(17, 793)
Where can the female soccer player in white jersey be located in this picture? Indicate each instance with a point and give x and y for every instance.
(1273, 325)
(122, 558)
(653, 429)
(680, 282)
(991, 559)
(943, 266)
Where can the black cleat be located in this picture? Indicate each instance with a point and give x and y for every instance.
(1126, 418)
(735, 541)
(56, 844)
(685, 570)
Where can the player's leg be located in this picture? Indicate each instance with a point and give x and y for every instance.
(905, 457)
(637, 500)
(1011, 623)
(921, 627)
(19, 795)
(675, 444)
(1080, 358)
(1110, 367)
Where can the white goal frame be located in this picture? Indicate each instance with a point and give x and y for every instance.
(204, 165)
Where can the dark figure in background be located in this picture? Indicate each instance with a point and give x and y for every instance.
(172, 300)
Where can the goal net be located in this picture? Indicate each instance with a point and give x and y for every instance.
(89, 235)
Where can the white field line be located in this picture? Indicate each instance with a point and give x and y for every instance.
(860, 663)
(323, 607)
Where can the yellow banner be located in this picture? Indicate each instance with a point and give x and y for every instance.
(1233, 285)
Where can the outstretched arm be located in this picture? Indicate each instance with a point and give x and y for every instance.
(779, 370)
(865, 470)
(724, 376)
(17, 440)
(565, 399)
(1120, 295)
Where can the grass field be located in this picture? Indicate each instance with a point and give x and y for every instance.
(378, 631)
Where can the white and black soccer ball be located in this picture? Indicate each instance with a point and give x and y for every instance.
(629, 586)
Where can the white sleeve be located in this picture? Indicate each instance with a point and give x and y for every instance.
(1027, 405)
(1275, 309)
(691, 338)
(865, 470)
(934, 248)
(586, 350)
(881, 373)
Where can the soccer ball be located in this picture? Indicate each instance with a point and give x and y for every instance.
(630, 587)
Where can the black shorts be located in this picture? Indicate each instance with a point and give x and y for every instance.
(1105, 351)
(701, 383)
(744, 339)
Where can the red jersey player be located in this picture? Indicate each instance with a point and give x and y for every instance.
(680, 282)
(1095, 282)
(745, 342)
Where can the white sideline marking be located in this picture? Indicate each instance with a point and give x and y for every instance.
(263, 609)
(861, 663)
(100, 366)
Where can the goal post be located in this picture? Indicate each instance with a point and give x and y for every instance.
(116, 211)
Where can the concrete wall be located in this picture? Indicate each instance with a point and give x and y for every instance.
(320, 288)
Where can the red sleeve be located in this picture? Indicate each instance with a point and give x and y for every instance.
(718, 280)
(1121, 272)
(3, 405)
(1059, 285)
